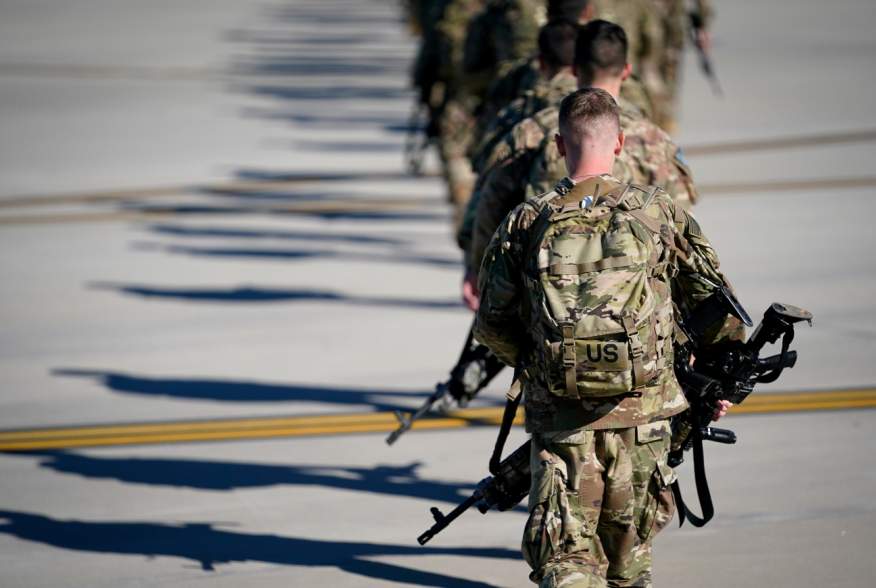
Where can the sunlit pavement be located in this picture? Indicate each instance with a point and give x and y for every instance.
(204, 218)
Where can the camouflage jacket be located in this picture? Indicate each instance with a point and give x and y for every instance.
(501, 321)
(503, 32)
(527, 163)
(437, 70)
(545, 93)
(642, 25)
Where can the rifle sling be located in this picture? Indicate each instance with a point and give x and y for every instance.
(512, 401)
(703, 493)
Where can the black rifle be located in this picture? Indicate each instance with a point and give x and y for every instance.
(697, 24)
(502, 491)
(474, 370)
(730, 372)
(726, 372)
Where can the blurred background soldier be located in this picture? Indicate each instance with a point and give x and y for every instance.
(677, 25)
(438, 76)
(556, 79)
(556, 57)
(502, 34)
(645, 45)
(516, 78)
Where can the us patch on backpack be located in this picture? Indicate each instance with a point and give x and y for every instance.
(599, 290)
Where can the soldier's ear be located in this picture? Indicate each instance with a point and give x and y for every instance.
(561, 145)
(619, 146)
(627, 72)
(587, 14)
(542, 65)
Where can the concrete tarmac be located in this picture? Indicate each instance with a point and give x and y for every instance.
(204, 215)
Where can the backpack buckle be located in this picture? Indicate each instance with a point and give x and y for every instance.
(569, 354)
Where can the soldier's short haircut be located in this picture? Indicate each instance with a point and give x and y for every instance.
(568, 9)
(601, 48)
(587, 112)
(556, 42)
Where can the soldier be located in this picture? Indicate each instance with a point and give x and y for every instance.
(578, 292)
(675, 22)
(504, 32)
(556, 58)
(438, 75)
(632, 15)
(514, 79)
(531, 163)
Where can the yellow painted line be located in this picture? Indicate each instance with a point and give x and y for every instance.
(346, 424)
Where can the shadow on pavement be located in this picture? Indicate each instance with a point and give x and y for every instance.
(202, 543)
(349, 146)
(241, 391)
(306, 254)
(247, 294)
(328, 215)
(247, 233)
(389, 124)
(322, 93)
(400, 480)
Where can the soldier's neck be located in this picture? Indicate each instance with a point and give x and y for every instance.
(589, 168)
(610, 84)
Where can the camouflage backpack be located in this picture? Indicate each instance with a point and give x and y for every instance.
(600, 304)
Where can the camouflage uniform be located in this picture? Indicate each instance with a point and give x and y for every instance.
(504, 32)
(527, 163)
(512, 81)
(438, 74)
(674, 22)
(645, 38)
(600, 481)
(522, 76)
(545, 94)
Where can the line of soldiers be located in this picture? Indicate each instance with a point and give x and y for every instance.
(477, 57)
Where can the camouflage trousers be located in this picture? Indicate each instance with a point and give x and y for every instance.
(597, 500)
(456, 132)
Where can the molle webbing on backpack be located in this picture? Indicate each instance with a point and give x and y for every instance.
(570, 360)
(559, 269)
(637, 350)
(598, 291)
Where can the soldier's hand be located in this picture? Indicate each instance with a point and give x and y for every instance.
(703, 40)
(470, 294)
(721, 409)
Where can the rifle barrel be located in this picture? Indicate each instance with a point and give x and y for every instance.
(442, 521)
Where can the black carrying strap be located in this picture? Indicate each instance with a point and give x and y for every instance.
(512, 401)
(703, 493)
(787, 338)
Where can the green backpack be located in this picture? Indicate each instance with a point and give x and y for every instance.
(599, 295)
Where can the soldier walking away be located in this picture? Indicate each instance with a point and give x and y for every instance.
(579, 289)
